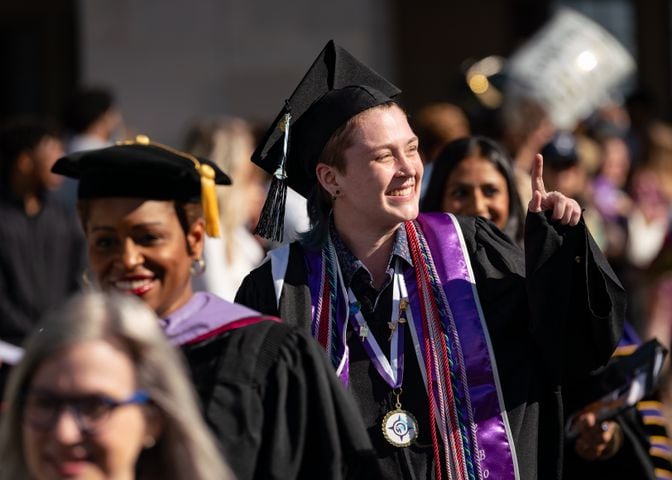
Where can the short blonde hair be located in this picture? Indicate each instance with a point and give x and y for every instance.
(320, 202)
(185, 448)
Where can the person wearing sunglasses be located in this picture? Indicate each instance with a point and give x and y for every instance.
(101, 394)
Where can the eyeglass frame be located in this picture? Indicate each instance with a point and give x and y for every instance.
(139, 397)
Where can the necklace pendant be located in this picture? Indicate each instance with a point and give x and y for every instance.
(392, 326)
(403, 306)
(400, 428)
(363, 332)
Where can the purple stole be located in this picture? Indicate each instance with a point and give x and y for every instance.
(484, 446)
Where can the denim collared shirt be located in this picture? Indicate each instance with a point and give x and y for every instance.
(357, 276)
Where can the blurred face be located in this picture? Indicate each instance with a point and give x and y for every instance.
(476, 188)
(616, 161)
(138, 246)
(380, 185)
(649, 195)
(44, 156)
(569, 181)
(83, 371)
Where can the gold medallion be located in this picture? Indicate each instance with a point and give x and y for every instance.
(400, 428)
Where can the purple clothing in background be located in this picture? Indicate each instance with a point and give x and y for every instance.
(606, 197)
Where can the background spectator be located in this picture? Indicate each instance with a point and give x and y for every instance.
(92, 119)
(229, 143)
(473, 176)
(42, 254)
(436, 124)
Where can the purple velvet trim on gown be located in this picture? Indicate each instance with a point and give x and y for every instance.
(203, 313)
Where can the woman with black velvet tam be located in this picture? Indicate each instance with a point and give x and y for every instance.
(266, 389)
(453, 344)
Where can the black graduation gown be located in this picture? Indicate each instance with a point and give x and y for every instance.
(272, 401)
(553, 313)
(42, 258)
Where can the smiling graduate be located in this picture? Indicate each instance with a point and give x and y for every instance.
(453, 342)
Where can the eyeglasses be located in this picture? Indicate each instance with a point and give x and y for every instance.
(41, 409)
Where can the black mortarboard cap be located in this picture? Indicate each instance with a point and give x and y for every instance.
(143, 169)
(336, 88)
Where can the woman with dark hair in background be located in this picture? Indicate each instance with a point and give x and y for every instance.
(468, 184)
(473, 176)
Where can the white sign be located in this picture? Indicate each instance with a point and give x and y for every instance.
(9, 353)
(570, 66)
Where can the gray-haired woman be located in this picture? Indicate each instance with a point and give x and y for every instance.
(100, 393)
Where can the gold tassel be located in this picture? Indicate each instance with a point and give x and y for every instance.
(209, 200)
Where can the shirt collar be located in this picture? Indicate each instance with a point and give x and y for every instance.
(351, 264)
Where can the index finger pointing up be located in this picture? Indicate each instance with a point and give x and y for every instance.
(537, 175)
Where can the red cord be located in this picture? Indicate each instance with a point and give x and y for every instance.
(428, 363)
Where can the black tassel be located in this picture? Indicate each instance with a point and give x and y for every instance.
(272, 220)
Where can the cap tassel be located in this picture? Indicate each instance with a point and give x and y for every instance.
(209, 200)
(272, 219)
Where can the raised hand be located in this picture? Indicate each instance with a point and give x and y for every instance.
(565, 210)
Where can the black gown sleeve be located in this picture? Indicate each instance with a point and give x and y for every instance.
(550, 318)
(278, 410)
(561, 293)
(257, 292)
(313, 426)
(15, 322)
(577, 304)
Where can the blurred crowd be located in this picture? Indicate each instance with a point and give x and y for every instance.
(616, 162)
